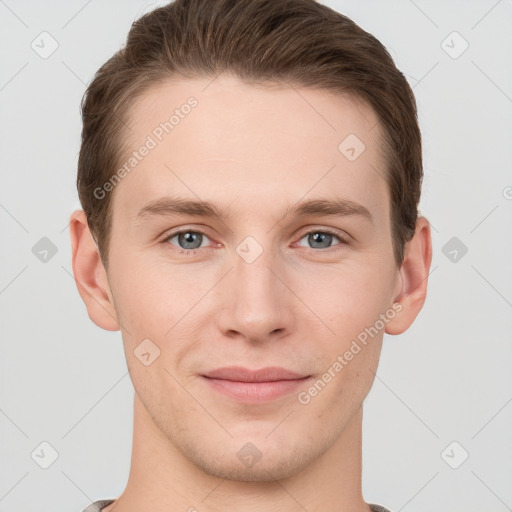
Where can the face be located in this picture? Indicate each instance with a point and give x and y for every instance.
(287, 265)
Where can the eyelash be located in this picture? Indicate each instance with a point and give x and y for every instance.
(191, 252)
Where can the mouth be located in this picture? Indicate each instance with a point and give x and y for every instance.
(254, 386)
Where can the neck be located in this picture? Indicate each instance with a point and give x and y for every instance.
(163, 479)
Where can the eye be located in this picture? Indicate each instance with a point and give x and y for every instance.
(187, 239)
(322, 239)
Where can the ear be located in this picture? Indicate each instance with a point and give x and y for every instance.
(90, 275)
(414, 273)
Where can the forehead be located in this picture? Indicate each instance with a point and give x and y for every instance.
(227, 139)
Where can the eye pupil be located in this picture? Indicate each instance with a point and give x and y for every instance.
(189, 237)
(320, 237)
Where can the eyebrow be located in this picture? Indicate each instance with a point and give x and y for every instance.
(179, 206)
(199, 208)
(329, 207)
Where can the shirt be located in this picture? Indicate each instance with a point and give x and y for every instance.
(97, 506)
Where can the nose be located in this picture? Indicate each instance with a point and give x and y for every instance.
(256, 304)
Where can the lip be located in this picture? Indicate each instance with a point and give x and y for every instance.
(254, 386)
(241, 374)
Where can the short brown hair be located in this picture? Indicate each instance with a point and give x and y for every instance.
(300, 42)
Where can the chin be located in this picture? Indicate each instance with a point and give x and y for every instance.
(268, 470)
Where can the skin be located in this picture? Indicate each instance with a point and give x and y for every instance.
(256, 151)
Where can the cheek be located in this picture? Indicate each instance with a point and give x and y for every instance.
(350, 303)
(347, 298)
(337, 394)
(160, 305)
(150, 298)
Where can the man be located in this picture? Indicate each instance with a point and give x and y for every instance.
(249, 173)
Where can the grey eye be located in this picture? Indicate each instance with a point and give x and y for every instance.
(188, 240)
(320, 239)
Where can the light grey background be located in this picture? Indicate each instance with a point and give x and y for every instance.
(64, 381)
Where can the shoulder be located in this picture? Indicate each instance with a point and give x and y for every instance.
(98, 505)
(378, 508)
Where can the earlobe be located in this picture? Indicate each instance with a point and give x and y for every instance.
(414, 273)
(90, 275)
